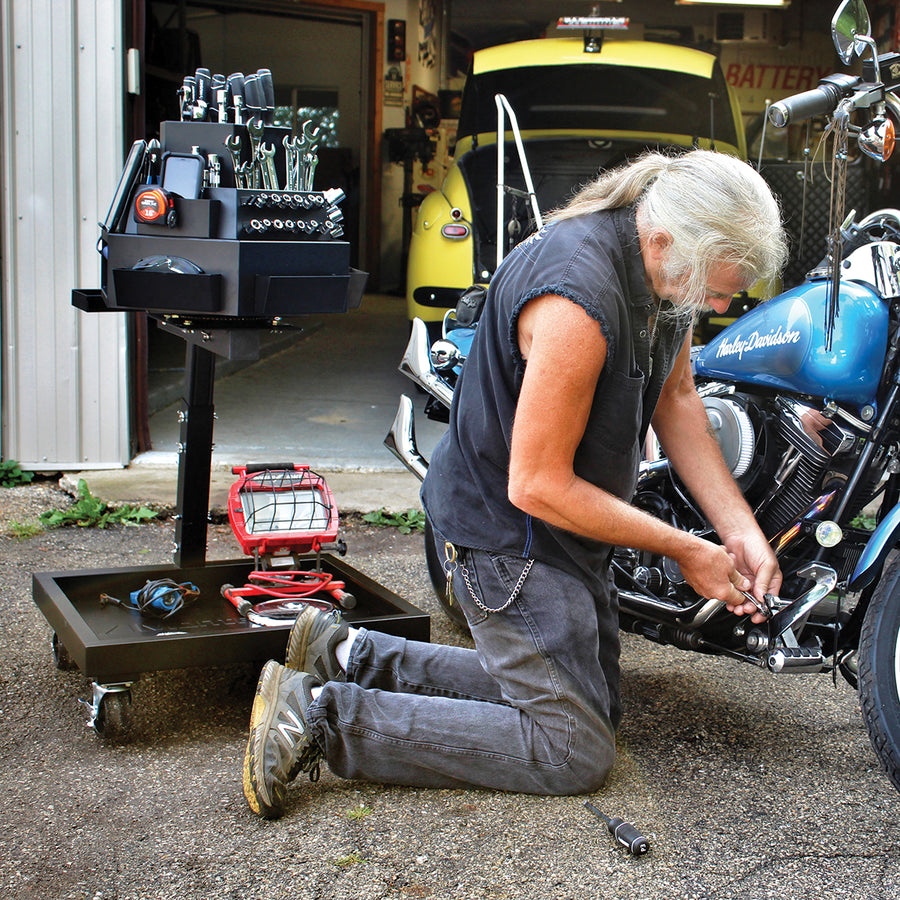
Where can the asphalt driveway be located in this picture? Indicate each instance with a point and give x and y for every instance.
(747, 785)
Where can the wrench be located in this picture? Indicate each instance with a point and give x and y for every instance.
(310, 161)
(309, 158)
(255, 129)
(289, 163)
(267, 167)
(244, 175)
(233, 146)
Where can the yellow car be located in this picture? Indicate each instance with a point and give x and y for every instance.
(578, 113)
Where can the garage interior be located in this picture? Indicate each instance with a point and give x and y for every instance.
(335, 384)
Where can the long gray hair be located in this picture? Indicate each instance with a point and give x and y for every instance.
(718, 210)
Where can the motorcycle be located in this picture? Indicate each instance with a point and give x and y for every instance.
(803, 393)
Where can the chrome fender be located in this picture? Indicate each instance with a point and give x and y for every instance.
(401, 439)
(416, 365)
(884, 538)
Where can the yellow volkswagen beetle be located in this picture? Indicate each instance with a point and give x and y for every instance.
(565, 113)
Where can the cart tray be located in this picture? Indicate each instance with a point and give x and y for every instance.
(110, 644)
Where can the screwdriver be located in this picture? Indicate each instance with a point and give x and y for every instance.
(624, 833)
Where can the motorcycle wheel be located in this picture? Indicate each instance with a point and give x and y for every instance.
(879, 672)
(439, 579)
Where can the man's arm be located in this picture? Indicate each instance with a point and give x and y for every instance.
(566, 352)
(683, 429)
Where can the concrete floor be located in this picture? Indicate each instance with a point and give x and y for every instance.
(326, 400)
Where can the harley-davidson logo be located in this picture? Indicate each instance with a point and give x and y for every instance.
(756, 341)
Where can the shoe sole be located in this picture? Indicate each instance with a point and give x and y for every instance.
(298, 645)
(263, 705)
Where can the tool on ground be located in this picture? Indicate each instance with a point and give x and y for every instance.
(284, 511)
(623, 832)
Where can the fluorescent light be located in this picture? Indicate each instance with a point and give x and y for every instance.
(777, 3)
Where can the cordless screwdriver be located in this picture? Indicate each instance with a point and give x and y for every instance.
(624, 833)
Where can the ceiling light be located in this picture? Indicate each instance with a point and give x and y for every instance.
(777, 3)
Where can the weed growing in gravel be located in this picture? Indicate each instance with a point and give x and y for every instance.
(359, 812)
(11, 474)
(23, 530)
(404, 522)
(348, 859)
(88, 512)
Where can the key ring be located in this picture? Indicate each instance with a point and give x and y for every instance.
(450, 564)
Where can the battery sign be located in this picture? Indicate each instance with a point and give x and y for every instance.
(618, 23)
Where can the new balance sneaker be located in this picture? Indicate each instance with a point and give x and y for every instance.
(280, 746)
(311, 646)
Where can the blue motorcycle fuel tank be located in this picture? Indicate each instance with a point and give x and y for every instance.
(781, 344)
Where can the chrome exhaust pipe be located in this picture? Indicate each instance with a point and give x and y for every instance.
(416, 365)
(401, 439)
(656, 609)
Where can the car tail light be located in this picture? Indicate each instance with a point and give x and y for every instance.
(456, 231)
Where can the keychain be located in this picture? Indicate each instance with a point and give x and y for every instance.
(449, 569)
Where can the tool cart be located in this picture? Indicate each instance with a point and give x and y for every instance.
(218, 233)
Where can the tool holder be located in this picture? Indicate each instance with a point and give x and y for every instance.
(226, 279)
(241, 253)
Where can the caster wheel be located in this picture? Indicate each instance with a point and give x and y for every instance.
(111, 714)
(62, 659)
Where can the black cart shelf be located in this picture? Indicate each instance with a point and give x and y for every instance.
(114, 646)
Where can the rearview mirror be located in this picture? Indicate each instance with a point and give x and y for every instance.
(849, 25)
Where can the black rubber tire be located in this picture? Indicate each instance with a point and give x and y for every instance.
(114, 717)
(439, 579)
(879, 672)
(62, 659)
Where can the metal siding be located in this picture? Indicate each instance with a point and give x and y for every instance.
(65, 403)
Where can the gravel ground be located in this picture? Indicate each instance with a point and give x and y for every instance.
(747, 785)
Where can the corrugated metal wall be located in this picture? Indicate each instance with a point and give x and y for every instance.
(64, 381)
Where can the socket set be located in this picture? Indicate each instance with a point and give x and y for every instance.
(286, 214)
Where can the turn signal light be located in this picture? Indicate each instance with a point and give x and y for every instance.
(877, 139)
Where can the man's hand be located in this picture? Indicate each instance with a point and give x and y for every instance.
(710, 570)
(682, 426)
(754, 557)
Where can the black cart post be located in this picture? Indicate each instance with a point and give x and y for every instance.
(195, 459)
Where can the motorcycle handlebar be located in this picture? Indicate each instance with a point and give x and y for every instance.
(819, 101)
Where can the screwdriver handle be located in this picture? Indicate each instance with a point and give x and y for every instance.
(629, 837)
(623, 832)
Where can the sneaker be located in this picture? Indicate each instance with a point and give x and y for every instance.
(280, 746)
(312, 643)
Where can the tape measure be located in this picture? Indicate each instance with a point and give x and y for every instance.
(154, 206)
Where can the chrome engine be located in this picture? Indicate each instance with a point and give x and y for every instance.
(784, 453)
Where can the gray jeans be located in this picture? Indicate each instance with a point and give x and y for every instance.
(533, 708)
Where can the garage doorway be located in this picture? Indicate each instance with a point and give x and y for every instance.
(323, 55)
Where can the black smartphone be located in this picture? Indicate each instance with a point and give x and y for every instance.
(182, 174)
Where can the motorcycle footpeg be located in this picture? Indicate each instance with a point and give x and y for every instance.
(795, 660)
(825, 579)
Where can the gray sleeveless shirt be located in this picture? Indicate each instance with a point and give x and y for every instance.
(593, 260)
